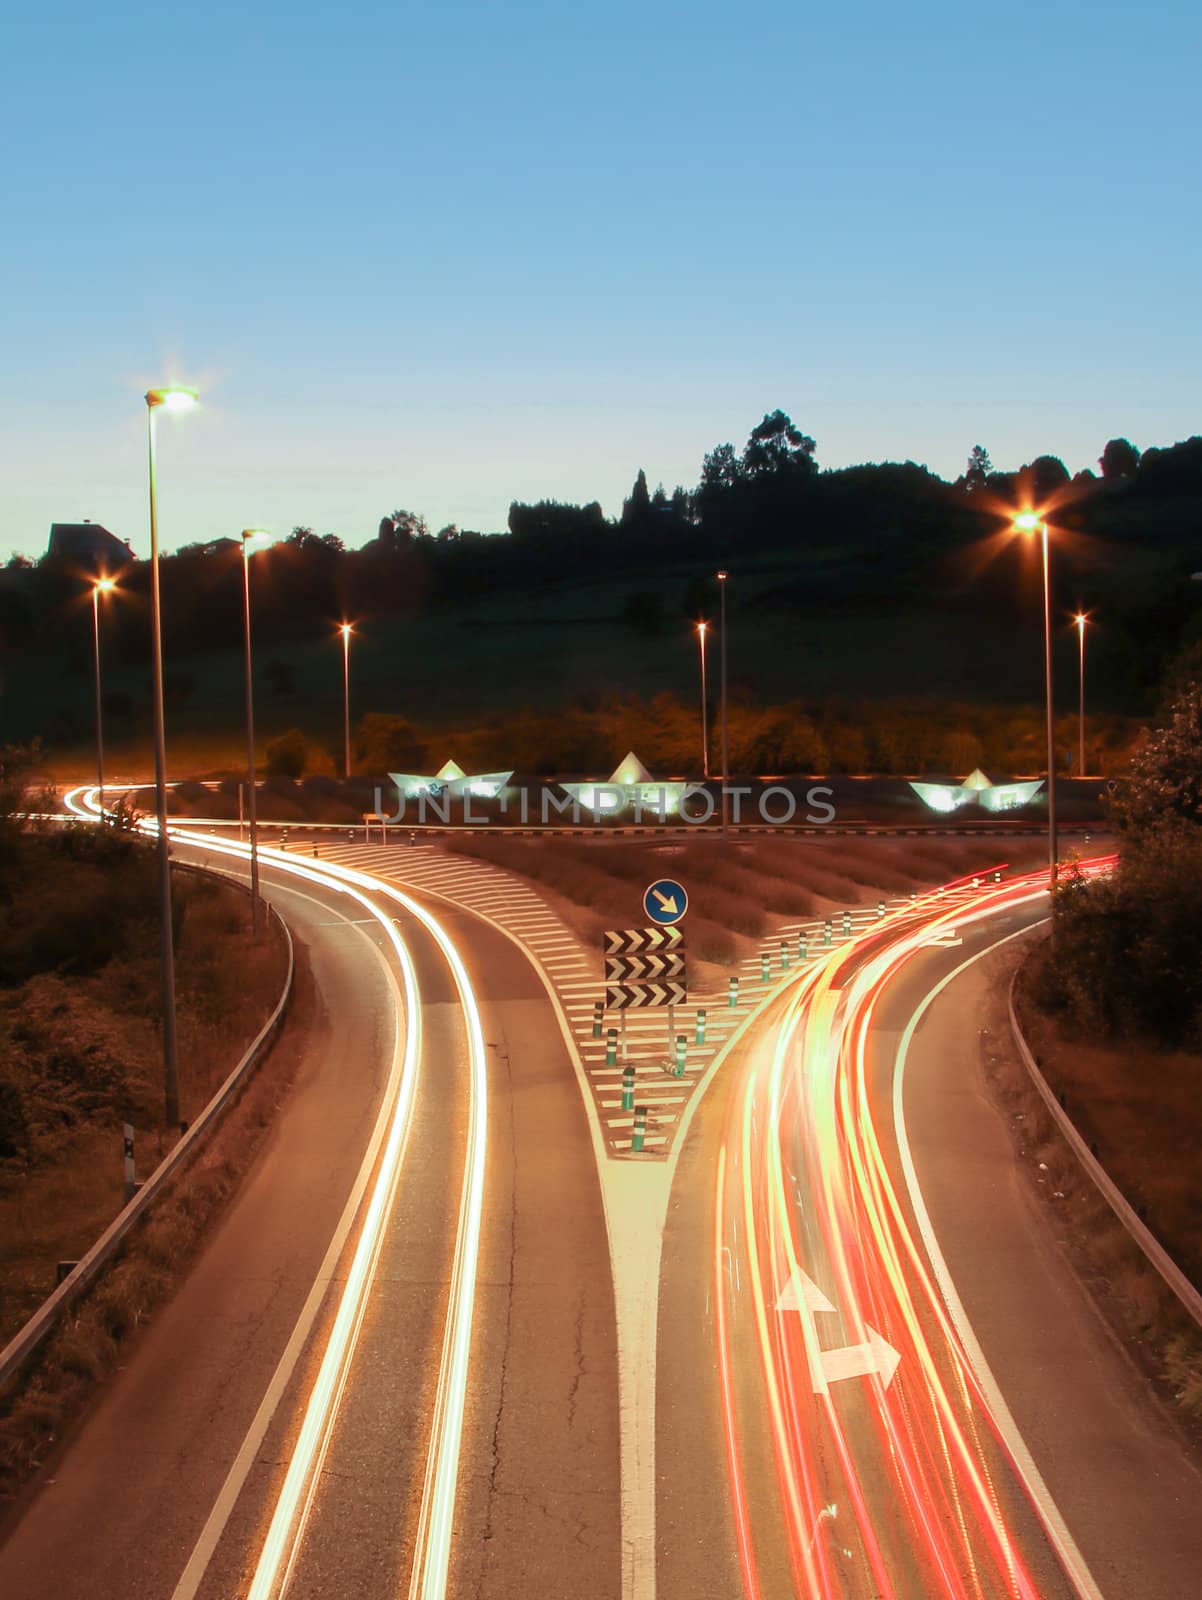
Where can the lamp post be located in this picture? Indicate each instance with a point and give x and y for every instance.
(346, 630)
(722, 577)
(1081, 619)
(99, 586)
(173, 399)
(705, 707)
(1028, 522)
(250, 536)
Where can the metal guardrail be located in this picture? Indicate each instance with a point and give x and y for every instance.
(669, 830)
(86, 1272)
(1152, 1248)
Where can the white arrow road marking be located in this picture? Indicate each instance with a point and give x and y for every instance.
(858, 1360)
(802, 1294)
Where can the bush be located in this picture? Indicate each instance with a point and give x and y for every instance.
(1125, 958)
(287, 754)
(13, 1120)
(384, 743)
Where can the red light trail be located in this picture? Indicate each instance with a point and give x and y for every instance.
(894, 1478)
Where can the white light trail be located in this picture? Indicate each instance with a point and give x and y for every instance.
(432, 1554)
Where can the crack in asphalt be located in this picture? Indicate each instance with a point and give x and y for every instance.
(578, 1348)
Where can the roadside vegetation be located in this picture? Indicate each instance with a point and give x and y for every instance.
(1112, 1004)
(80, 1056)
(590, 733)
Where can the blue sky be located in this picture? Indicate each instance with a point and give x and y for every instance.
(447, 255)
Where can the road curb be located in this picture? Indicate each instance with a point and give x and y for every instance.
(86, 1272)
(1157, 1256)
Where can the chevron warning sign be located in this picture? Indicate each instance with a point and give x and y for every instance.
(631, 941)
(633, 996)
(644, 969)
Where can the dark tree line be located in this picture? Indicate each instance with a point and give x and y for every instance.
(871, 536)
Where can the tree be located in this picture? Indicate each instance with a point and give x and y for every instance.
(775, 447)
(401, 528)
(1042, 479)
(287, 754)
(387, 743)
(1164, 785)
(720, 470)
(637, 506)
(449, 534)
(1120, 459)
(682, 503)
(978, 471)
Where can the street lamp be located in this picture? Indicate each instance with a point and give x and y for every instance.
(722, 577)
(346, 630)
(1028, 522)
(1081, 618)
(171, 399)
(705, 707)
(251, 536)
(99, 586)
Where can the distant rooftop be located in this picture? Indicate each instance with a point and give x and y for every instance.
(88, 543)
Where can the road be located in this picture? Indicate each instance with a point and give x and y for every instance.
(878, 1372)
(253, 1445)
(396, 1368)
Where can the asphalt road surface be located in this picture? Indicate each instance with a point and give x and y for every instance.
(818, 1400)
(167, 1491)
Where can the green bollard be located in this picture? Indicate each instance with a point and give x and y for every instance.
(802, 951)
(846, 924)
(598, 1015)
(682, 1045)
(699, 1027)
(826, 932)
(611, 1047)
(734, 992)
(765, 968)
(784, 956)
(640, 1128)
(628, 1088)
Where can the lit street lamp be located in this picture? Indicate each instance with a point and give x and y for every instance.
(1081, 619)
(99, 586)
(705, 706)
(250, 536)
(722, 577)
(173, 399)
(1028, 522)
(346, 630)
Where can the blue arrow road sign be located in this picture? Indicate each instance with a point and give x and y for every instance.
(665, 902)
